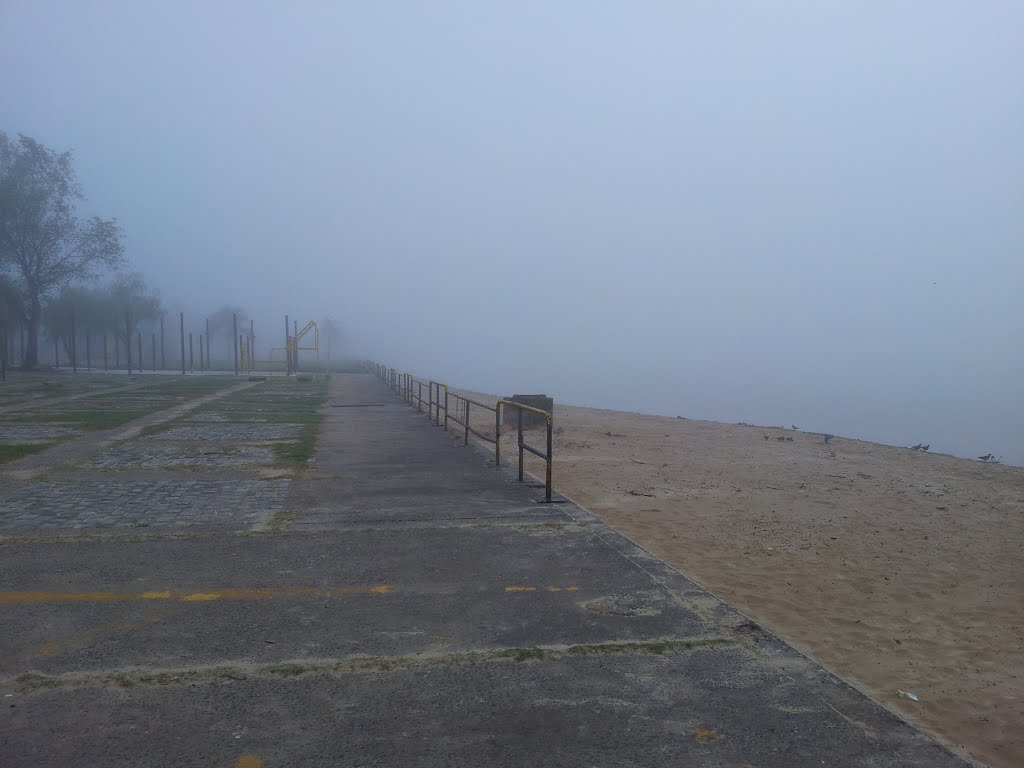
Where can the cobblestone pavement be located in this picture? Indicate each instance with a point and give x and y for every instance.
(221, 504)
(22, 432)
(207, 416)
(156, 457)
(230, 433)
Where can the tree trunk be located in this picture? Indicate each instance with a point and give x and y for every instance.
(35, 317)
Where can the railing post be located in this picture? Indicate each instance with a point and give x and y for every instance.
(445, 407)
(519, 411)
(497, 434)
(547, 480)
(466, 441)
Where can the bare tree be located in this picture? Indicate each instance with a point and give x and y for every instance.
(42, 242)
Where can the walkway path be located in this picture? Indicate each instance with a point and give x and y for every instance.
(419, 609)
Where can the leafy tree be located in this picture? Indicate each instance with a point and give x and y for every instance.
(129, 293)
(43, 243)
(222, 322)
(12, 312)
(76, 308)
(331, 337)
(127, 299)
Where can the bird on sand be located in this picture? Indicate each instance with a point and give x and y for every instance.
(986, 457)
(916, 447)
(794, 426)
(926, 447)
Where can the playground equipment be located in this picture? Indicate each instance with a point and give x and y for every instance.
(293, 346)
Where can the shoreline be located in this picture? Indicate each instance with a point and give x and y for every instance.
(895, 569)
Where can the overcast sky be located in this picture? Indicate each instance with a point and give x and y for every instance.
(807, 213)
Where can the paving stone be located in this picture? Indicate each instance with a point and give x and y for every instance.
(156, 457)
(208, 416)
(230, 433)
(222, 504)
(15, 433)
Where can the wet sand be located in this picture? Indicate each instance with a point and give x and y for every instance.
(896, 569)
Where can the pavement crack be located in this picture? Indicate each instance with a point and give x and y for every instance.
(133, 677)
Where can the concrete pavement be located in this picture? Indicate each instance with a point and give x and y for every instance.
(418, 607)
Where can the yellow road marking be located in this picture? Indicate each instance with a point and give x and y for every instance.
(706, 736)
(8, 598)
(249, 761)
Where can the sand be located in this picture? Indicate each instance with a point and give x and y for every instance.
(896, 569)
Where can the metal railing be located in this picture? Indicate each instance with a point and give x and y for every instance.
(546, 455)
(457, 409)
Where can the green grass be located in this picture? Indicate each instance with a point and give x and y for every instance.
(279, 401)
(89, 420)
(297, 454)
(189, 387)
(19, 450)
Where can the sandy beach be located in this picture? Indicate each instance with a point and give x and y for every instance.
(898, 570)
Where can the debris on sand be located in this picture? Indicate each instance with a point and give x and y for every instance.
(827, 438)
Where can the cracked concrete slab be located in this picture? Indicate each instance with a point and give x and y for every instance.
(412, 605)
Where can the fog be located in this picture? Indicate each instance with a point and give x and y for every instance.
(778, 213)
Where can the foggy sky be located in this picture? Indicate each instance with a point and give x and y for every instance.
(778, 213)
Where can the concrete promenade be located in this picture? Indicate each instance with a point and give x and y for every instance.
(411, 606)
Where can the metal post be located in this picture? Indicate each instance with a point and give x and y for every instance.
(74, 346)
(497, 434)
(208, 365)
(181, 333)
(547, 479)
(163, 357)
(465, 440)
(128, 340)
(141, 362)
(520, 420)
(191, 359)
(234, 319)
(445, 407)
(252, 340)
(202, 360)
(287, 349)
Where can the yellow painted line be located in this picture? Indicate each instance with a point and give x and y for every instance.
(249, 761)
(10, 598)
(516, 588)
(706, 735)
